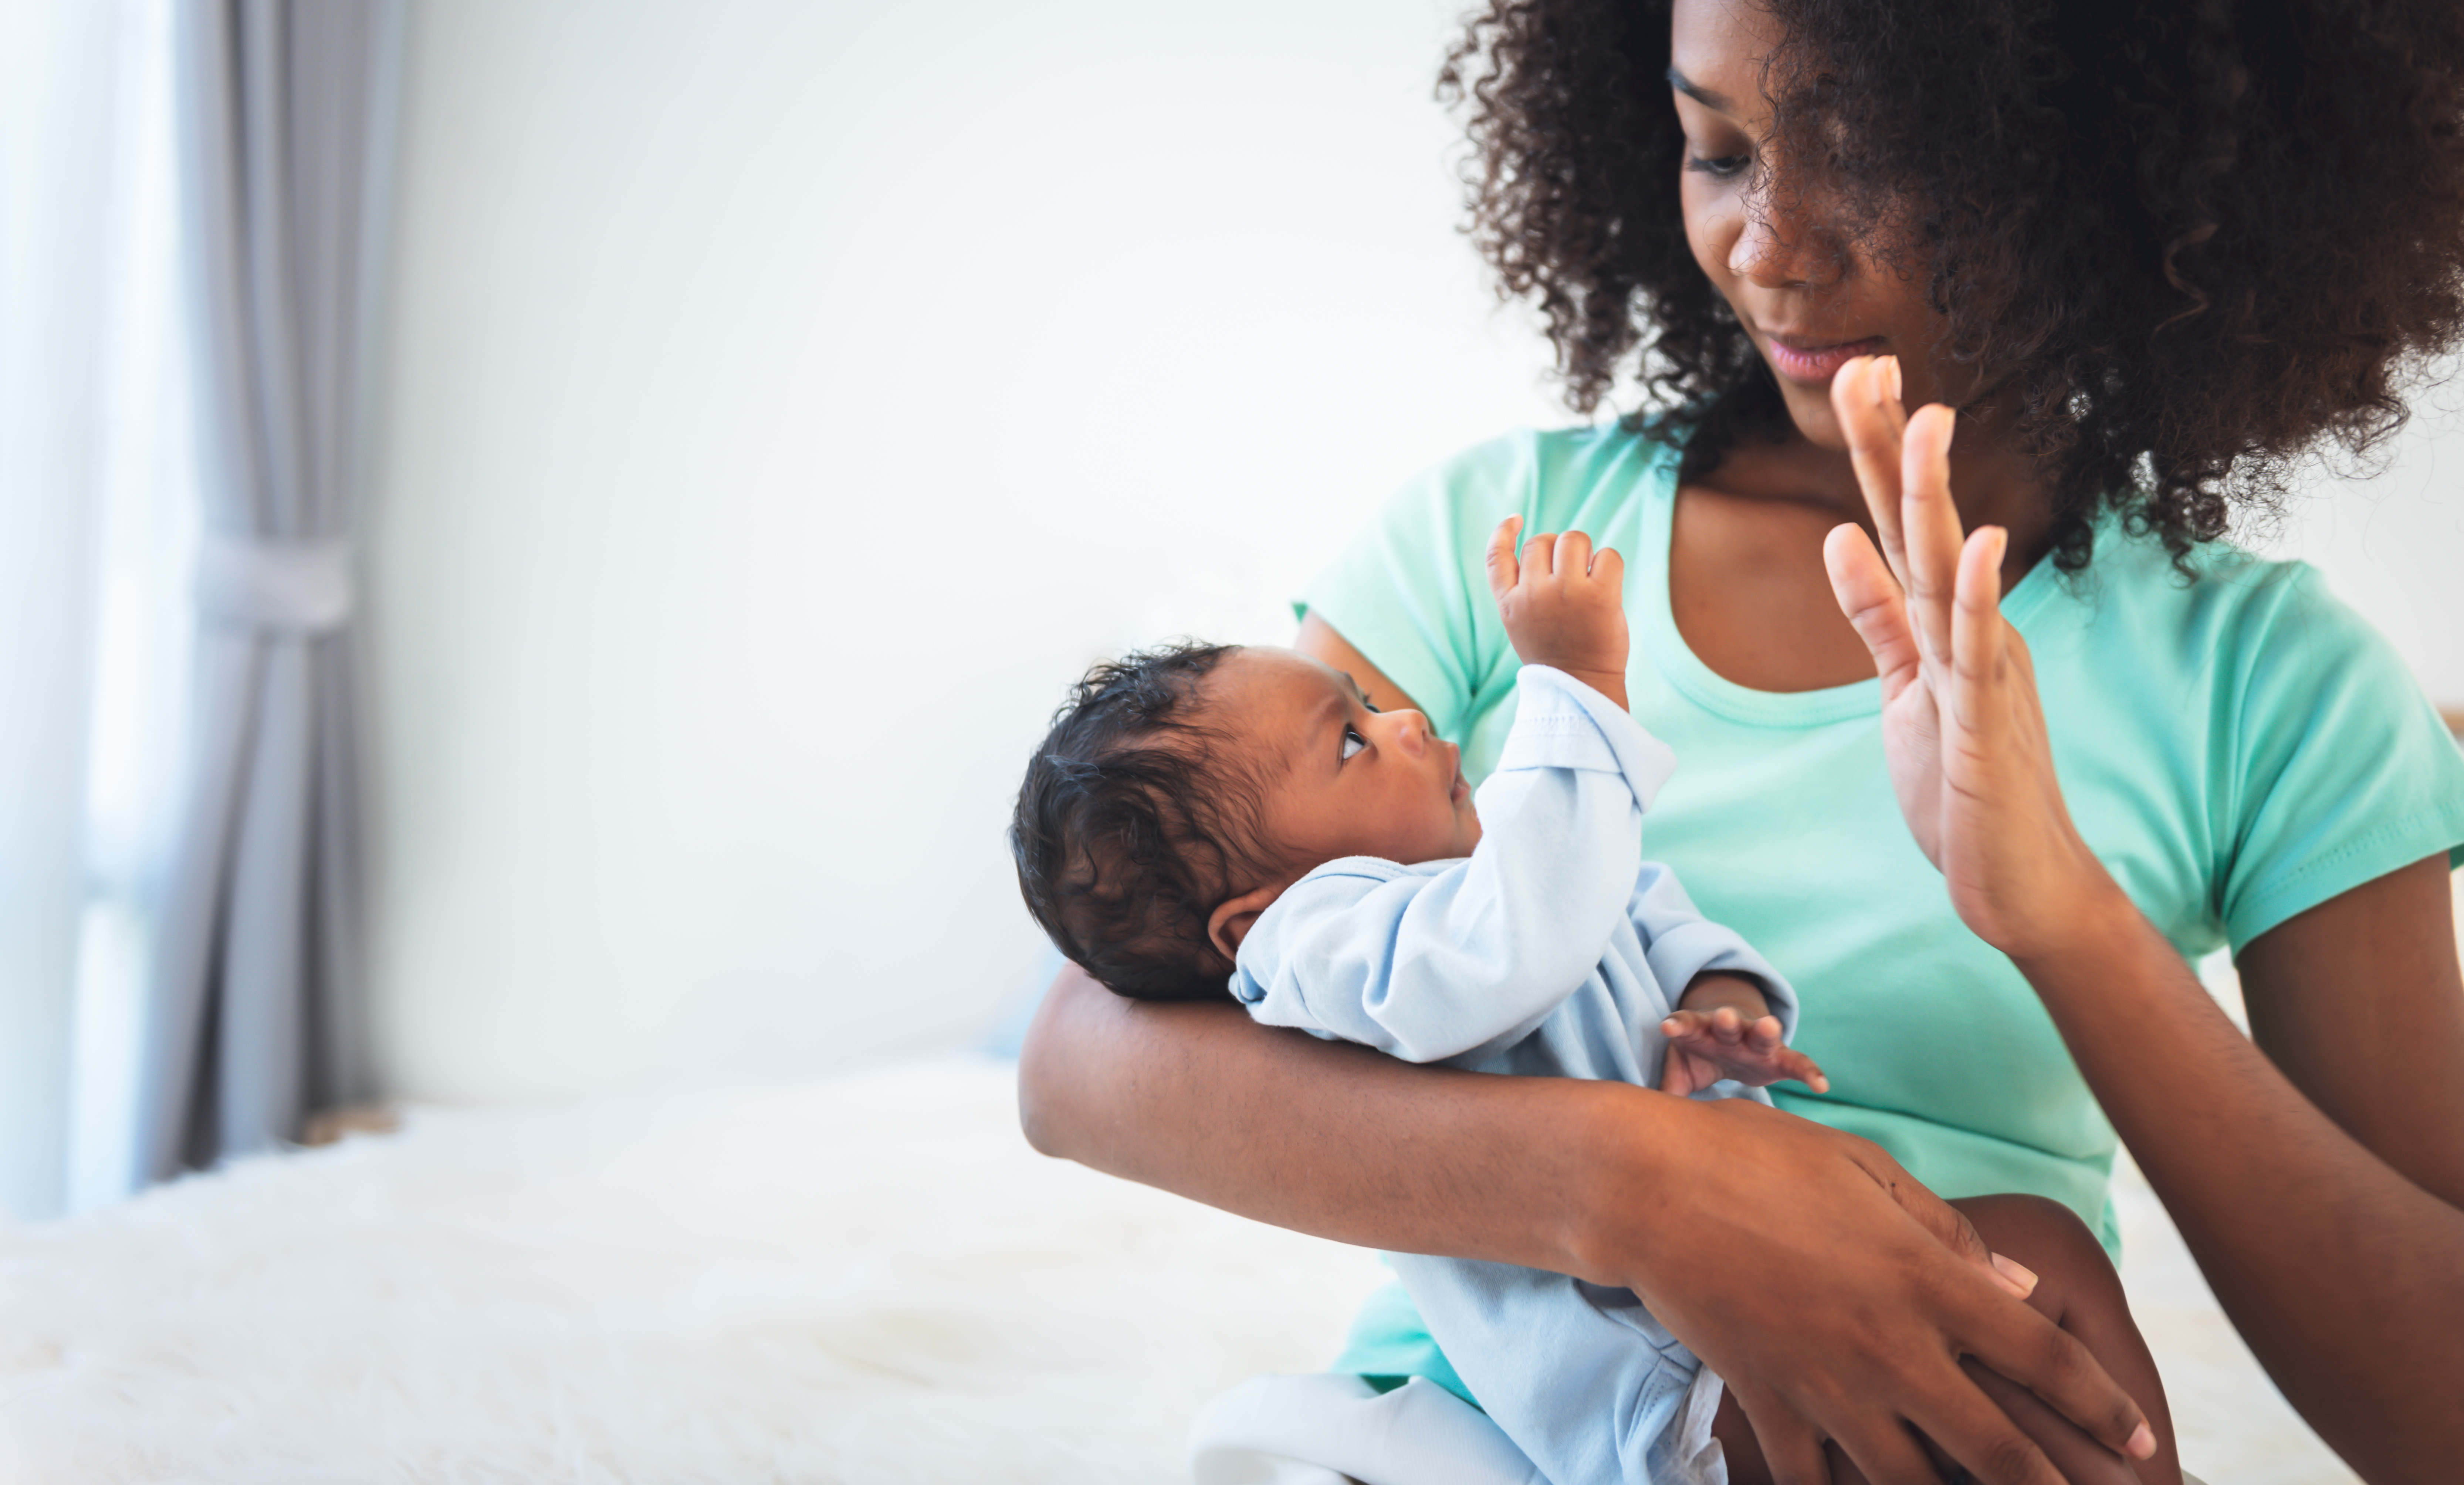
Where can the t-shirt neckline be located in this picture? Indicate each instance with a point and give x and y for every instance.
(1715, 693)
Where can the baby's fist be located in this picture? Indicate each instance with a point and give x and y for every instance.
(1564, 604)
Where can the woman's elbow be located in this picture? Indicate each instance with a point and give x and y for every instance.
(1051, 1063)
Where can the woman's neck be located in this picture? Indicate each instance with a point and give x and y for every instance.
(1747, 585)
(1991, 482)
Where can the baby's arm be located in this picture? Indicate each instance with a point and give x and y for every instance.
(1723, 1029)
(1564, 605)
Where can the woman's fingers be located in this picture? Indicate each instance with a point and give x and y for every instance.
(1791, 1448)
(1995, 1449)
(1929, 526)
(1976, 625)
(1875, 605)
(1883, 1447)
(2059, 1376)
(1503, 569)
(2080, 1459)
(1948, 1225)
(2049, 1361)
(1864, 397)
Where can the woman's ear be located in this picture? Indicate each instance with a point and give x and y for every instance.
(1230, 921)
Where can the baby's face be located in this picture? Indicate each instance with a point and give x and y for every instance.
(1339, 778)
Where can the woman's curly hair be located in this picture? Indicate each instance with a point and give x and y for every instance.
(2191, 241)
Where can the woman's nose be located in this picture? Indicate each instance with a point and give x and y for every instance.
(1778, 247)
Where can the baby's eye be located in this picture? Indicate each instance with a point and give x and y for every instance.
(1353, 740)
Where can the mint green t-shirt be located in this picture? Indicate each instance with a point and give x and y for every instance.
(2237, 749)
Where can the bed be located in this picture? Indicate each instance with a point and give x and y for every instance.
(864, 1277)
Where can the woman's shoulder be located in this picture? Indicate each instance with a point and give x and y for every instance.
(2248, 642)
(2222, 607)
(2317, 761)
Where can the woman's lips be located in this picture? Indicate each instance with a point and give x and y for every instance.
(1815, 365)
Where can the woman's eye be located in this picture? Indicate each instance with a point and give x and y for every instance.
(1353, 740)
(1720, 166)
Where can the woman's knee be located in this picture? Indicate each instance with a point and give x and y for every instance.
(2047, 1238)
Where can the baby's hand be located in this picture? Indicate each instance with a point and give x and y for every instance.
(1707, 1046)
(1564, 605)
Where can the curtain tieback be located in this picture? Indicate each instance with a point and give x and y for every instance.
(286, 588)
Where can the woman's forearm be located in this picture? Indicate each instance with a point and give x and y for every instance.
(2344, 1276)
(1323, 1136)
(1741, 1226)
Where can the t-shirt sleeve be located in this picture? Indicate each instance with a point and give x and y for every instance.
(2342, 770)
(1409, 589)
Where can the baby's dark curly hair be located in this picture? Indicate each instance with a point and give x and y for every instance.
(2191, 241)
(1133, 817)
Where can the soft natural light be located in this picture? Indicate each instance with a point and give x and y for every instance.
(144, 544)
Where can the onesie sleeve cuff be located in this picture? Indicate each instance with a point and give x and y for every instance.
(1560, 722)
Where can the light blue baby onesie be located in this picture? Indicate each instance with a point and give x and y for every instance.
(1547, 952)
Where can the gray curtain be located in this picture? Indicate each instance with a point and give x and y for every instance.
(256, 1016)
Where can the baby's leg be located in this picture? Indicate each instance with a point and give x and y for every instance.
(2077, 1290)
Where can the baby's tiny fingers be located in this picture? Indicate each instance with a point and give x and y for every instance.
(1501, 567)
(1608, 568)
(1536, 553)
(1573, 555)
(1804, 1069)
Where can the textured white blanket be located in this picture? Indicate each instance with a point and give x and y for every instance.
(867, 1279)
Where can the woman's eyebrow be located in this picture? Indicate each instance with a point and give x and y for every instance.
(1701, 94)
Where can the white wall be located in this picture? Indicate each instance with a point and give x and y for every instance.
(789, 398)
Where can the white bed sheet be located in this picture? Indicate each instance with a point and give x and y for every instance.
(862, 1278)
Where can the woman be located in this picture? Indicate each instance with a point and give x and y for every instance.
(2150, 259)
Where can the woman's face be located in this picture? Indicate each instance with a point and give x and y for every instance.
(1809, 297)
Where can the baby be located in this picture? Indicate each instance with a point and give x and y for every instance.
(1204, 816)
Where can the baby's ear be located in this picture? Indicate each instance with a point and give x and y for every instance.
(1230, 921)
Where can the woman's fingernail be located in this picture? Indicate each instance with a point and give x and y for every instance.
(2018, 1273)
(1891, 375)
(2143, 1444)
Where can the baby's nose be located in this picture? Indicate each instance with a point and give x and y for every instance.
(1412, 733)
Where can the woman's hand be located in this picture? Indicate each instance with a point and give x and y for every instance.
(1961, 725)
(1804, 1264)
(1842, 1309)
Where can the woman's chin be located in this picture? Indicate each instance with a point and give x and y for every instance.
(1808, 408)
